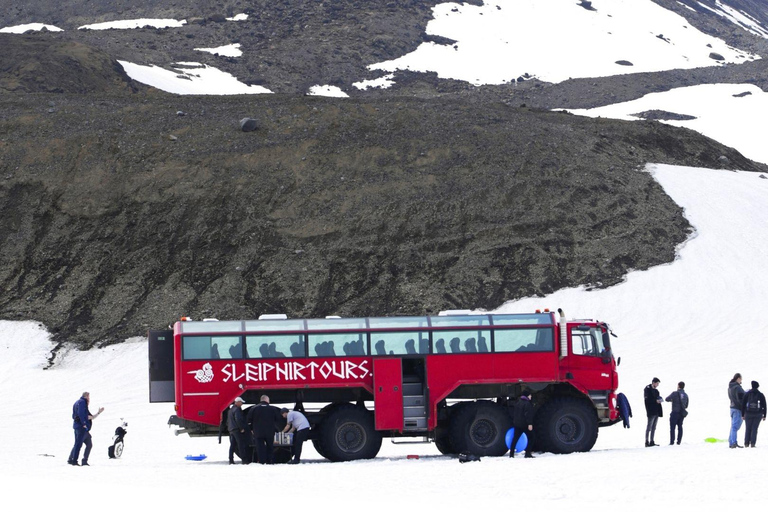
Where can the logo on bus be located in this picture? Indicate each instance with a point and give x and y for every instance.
(287, 371)
(203, 375)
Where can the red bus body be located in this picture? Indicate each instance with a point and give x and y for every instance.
(408, 390)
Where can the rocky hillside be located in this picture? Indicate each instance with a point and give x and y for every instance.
(123, 212)
(124, 207)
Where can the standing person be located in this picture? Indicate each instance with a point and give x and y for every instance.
(522, 421)
(653, 410)
(263, 419)
(736, 395)
(238, 434)
(753, 410)
(679, 401)
(298, 423)
(83, 420)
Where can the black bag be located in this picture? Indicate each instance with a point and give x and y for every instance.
(468, 457)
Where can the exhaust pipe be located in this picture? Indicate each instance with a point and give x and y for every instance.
(563, 335)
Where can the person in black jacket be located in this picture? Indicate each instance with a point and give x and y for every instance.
(264, 419)
(653, 409)
(753, 410)
(238, 435)
(522, 421)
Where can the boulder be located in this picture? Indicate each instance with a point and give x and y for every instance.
(247, 124)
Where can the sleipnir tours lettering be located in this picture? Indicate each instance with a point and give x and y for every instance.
(295, 371)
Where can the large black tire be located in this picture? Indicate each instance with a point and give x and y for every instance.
(349, 433)
(443, 441)
(480, 428)
(319, 448)
(565, 425)
(317, 440)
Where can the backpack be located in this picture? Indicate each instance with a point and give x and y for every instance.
(753, 401)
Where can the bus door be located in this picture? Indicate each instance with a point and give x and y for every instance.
(161, 386)
(388, 393)
(590, 362)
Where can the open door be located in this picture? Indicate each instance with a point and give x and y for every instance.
(388, 393)
(161, 383)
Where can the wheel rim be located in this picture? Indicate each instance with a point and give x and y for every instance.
(569, 429)
(483, 432)
(351, 437)
(118, 450)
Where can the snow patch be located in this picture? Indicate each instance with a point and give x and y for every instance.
(20, 29)
(327, 90)
(138, 23)
(190, 78)
(238, 17)
(722, 112)
(558, 39)
(383, 82)
(230, 50)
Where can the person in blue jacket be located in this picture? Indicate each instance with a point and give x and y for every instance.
(82, 422)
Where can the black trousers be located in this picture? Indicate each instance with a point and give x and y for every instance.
(233, 448)
(298, 441)
(241, 445)
(750, 435)
(515, 438)
(265, 447)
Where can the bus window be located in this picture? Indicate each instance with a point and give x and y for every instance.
(587, 343)
(338, 344)
(212, 347)
(524, 340)
(400, 343)
(465, 342)
(275, 345)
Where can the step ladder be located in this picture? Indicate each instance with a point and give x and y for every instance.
(414, 405)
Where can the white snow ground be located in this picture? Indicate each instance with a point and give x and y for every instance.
(699, 319)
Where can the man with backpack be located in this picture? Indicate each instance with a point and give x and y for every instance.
(679, 401)
(753, 410)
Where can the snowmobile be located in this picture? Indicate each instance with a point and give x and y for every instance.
(116, 450)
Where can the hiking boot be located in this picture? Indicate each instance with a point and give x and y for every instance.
(85, 463)
(529, 456)
(647, 444)
(293, 462)
(653, 444)
(72, 463)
